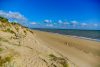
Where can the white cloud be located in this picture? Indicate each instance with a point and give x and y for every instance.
(95, 25)
(60, 21)
(47, 21)
(74, 22)
(13, 15)
(83, 24)
(33, 23)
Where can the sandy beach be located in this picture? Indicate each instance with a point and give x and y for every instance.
(79, 51)
(49, 33)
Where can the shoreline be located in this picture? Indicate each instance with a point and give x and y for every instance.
(80, 37)
(81, 51)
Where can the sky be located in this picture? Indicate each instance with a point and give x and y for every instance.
(67, 14)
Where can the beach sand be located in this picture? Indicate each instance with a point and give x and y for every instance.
(79, 51)
(22, 47)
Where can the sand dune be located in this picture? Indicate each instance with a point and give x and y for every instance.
(22, 47)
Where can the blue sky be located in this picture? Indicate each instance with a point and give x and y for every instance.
(74, 14)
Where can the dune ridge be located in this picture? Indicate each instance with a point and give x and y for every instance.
(20, 47)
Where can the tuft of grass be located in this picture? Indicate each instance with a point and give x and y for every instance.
(3, 19)
(31, 31)
(2, 39)
(0, 25)
(8, 59)
(60, 60)
(17, 29)
(1, 49)
(9, 30)
(25, 32)
(14, 23)
(5, 60)
(51, 55)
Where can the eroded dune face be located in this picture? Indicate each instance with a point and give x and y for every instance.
(20, 47)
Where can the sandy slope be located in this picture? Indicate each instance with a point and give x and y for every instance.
(22, 47)
(80, 52)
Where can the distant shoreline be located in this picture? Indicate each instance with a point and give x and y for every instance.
(76, 36)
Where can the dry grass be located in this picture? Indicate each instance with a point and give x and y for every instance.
(1, 49)
(5, 60)
(60, 60)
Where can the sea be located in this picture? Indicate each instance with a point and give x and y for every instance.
(87, 34)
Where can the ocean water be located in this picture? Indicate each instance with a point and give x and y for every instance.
(88, 34)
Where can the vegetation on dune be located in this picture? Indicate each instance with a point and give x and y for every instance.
(5, 60)
(6, 26)
(0, 25)
(9, 30)
(2, 39)
(60, 60)
(1, 49)
(31, 31)
(2, 19)
(15, 23)
(5, 20)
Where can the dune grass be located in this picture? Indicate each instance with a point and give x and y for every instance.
(5, 60)
(4, 40)
(9, 30)
(1, 49)
(60, 60)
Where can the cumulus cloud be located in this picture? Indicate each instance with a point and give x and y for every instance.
(47, 21)
(13, 15)
(74, 22)
(60, 21)
(33, 23)
(83, 24)
(95, 25)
